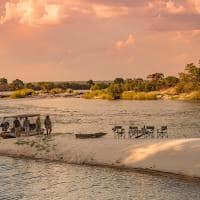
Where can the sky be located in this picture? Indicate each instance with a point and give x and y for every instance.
(62, 40)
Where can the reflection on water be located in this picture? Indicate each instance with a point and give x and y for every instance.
(83, 116)
(34, 180)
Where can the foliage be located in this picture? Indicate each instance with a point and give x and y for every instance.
(18, 84)
(115, 90)
(131, 95)
(97, 94)
(99, 86)
(119, 81)
(56, 91)
(193, 96)
(22, 93)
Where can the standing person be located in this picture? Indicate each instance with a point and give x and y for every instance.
(17, 127)
(38, 125)
(48, 125)
(26, 126)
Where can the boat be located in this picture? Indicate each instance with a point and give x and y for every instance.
(90, 135)
(8, 130)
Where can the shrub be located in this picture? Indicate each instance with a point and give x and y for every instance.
(131, 95)
(97, 94)
(193, 96)
(22, 93)
(56, 91)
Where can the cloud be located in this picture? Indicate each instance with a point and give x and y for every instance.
(121, 44)
(104, 11)
(33, 12)
(159, 15)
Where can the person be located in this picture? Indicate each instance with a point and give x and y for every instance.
(26, 126)
(48, 125)
(17, 127)
(38, 125)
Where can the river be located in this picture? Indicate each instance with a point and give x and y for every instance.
(74, 115)
(35, 180)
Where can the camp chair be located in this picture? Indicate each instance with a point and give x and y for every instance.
(162, 132)
(133, 131)
(119, 131)
(150, 131)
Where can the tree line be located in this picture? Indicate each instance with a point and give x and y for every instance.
(187, 81)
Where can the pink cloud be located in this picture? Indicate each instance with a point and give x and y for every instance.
(121, 44)
(33, 12)
(105, 11)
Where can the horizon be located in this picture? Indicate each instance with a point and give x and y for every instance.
(58, 40)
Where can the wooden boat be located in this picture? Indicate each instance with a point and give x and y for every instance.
(91, 135)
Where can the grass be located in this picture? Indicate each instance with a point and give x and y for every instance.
(131, 95)
(22, 93)
(56, 91)
(193, 96)
(97, 94)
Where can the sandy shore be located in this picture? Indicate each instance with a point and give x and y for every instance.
(180, 156)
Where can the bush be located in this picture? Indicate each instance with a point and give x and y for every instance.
(56, 91)
(22, 93)
(131, 95)
(97, 94)
(193, 96)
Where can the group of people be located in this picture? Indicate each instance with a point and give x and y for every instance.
(26, 126)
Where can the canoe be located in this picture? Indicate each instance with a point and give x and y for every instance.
(92, 135)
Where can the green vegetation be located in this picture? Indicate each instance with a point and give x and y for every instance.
(97, 94)
(131, 95)
(22, 93)
(56, 91)
(155, 86)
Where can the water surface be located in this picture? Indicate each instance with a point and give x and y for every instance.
(37, 180)
(73, 115)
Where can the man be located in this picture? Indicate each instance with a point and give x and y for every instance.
(26, 126)
(17, 127)
(48, 125)
(38, 125)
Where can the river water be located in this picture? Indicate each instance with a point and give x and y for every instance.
(73, 115)
(38, 180)
(35, 180)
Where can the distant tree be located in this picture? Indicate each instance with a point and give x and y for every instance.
(190, 79)
(155, 77)
(99, 86)
(46, 86)
(115, 90)
(30, 86)
(18, 84)
(90, 83)
(171, 81)
(119, 81)
(3, 81)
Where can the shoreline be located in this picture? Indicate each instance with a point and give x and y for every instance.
(147, 171)
(142, 96)
(171, 156)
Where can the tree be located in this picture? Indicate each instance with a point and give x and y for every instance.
(119, 81)
(99, 86)
(171, 81)
(18, 84)
(115, 90)
(190, 79)
(90, 83)
(155, 77)
(3, 81)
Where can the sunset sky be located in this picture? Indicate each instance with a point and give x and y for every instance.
(62, 40)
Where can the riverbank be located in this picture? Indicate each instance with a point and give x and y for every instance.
(179, 156)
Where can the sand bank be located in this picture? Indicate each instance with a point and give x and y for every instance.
(180, 156)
